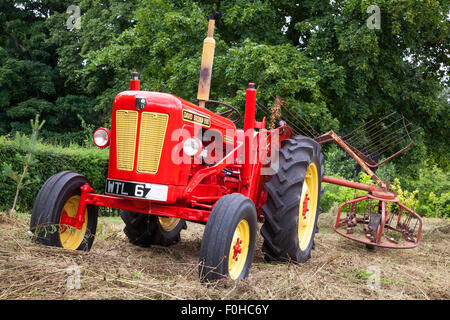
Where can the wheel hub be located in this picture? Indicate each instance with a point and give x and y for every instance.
(70, 236)
(308, 206)
(237, 249)
(305, 205)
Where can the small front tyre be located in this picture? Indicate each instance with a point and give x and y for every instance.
(59, 197)
(228, 242)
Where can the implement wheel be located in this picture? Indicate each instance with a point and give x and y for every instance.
(59, 198)
(228, 242)
(145, 229)
(293, 202)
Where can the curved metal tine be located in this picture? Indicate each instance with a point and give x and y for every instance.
(378, 134)
(366, 139)
(313, 133)
(391, 157)
(293, 125)
(386, 139)
(383, 139)
(396, 142)
(297, 129)
(268, 115)
(393, 139)
(369, 128)
(381, 131)
(310, 134)
(406, 126)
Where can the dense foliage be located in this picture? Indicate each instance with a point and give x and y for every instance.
(40, 60)
(49, 160)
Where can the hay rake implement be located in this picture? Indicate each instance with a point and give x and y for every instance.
(377, 218)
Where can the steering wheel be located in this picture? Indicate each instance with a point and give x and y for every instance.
(227, 113)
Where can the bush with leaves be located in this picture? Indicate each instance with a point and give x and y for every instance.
(47, 161)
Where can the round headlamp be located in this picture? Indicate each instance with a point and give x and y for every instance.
(101, 137)
(192, 146)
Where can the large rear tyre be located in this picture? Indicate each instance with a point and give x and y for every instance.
(145, 230)
(293, 202)
(58, 197)
(228, 242)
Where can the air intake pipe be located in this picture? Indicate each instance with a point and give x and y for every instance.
(209, 45)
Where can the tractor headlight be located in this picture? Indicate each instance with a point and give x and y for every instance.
(102, 137)
(192, 146)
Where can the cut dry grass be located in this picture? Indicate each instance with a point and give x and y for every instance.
(116, 269)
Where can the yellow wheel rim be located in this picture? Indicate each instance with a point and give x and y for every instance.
(168, 223)
(308, 207)
(70, 237)
(239, 249)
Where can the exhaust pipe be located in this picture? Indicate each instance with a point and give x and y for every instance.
(209, 45)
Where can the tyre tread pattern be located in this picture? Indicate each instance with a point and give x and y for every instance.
(281, 210)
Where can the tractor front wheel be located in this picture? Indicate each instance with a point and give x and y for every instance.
(58, 199)
(228, 242)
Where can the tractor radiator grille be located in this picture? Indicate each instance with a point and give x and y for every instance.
(153, 131)
(126, 125)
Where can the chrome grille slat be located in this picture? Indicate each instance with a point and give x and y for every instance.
(126, 127)
(152, 133)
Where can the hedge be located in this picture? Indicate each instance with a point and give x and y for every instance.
(90, 162)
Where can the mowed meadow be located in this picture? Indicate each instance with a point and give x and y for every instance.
(116, 269)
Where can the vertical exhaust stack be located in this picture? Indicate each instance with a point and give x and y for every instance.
(209, 45)
(135, 83)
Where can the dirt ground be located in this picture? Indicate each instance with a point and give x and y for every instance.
(116, 269)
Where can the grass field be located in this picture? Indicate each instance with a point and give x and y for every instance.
(116, 269)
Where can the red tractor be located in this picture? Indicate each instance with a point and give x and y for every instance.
(172, 161)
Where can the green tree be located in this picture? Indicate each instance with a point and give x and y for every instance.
(40, 58)
(320, 56)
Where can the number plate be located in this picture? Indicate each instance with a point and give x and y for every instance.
(138, 190)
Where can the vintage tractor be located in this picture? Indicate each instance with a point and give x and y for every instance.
(172, 161)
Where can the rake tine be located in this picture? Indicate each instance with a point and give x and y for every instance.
(292, 124)
(384, 139)
(310, 133)
(372, 125)
(380, 132)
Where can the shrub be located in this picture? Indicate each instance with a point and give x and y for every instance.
(337, 195)
(433, 185)
(428, 192)
(50, 159)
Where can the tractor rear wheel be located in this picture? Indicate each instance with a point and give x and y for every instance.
(293, 202)
(59, 197)
(145, 229)
(228, 242)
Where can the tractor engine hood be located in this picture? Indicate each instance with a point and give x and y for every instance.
(147, 133)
